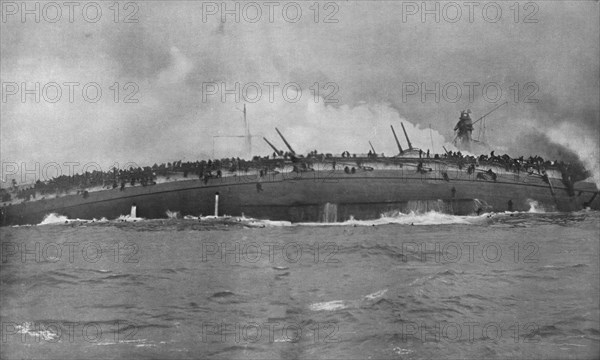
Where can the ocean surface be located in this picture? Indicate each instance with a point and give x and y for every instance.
(495, 286)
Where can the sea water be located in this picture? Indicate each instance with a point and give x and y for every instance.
(496, 286)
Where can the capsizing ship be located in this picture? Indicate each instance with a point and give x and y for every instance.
(332, 188)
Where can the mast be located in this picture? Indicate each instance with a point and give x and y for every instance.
(406, 135)
(285, 141)
(248, 137)
(271, 145)
(397, 142)
(431, 136)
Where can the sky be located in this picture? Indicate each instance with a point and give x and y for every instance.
(167, 72)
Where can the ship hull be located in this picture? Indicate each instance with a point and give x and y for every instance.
(312, 196)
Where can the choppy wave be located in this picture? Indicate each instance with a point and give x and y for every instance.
(535, 207)
(54, 218)
(129, 218)
(173, 214)
(329, 305)
(344, 304)
(243, 220)
(429, 218)
(393, 217)
(376, 288)
(29, 328)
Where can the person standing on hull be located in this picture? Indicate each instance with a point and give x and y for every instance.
(464, 128)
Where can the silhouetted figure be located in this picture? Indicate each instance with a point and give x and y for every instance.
(464, 127)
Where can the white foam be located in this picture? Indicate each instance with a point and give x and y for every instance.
(429, 218)
(535, 207)
(128, 218)
(173, 214)
(400, 351)
(104, 343)
(26, 328)
(344, 304)
(251, 222)
(329, 305)
(396, 217)
(283, 340)
(376, 295)
(266, 223)
(213, 217)
(54, 218)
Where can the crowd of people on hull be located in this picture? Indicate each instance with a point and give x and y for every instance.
(571, 172)
(122, 178)
(536, 163)
(207, 169)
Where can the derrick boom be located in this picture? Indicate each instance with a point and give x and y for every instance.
(397, 142)
(285, 141)
(406, 135)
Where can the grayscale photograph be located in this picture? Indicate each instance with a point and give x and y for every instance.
(309, 179)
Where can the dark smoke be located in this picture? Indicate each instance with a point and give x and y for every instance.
(536, 143)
